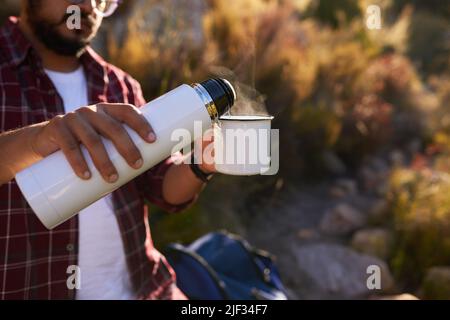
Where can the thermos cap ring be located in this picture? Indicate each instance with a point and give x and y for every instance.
(221, 92)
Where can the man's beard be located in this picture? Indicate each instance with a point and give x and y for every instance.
(48, 34)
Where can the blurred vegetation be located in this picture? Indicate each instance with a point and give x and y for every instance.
(334, 86)
(421, 220)
(338, 88)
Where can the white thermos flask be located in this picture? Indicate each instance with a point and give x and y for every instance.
(56, 193)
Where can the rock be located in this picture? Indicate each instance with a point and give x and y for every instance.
(368, 177)
(414, 146)
(349, 185)
(376, 242)
(343, 187)
(336, 192)
(308, 234)
(342, 220)
(397, 158)
(379, 211)
(330, 271)
(332, 163)
(436, 284)
(379, 165)
(382, 188)
(374, 176)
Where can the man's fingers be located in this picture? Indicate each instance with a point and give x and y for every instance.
(115, 131)
(86, 124)
(71, 149)
(94, 144)
(132, 116)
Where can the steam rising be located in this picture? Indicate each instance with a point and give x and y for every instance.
(249, 101)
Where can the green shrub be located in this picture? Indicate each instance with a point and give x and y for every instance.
(421, 221)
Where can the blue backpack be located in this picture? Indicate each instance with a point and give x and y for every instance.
(223, 266)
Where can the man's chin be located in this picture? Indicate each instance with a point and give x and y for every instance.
(83, 35)
(67, 47)
(73, 44)
(66, 43)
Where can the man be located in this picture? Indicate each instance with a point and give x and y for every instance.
(56, 93)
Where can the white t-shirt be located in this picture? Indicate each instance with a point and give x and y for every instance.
(101, 258)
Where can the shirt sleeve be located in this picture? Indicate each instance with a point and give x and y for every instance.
(150, 183)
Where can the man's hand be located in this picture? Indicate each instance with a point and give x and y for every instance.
(206, 146)
(86, 125)
(180, 183)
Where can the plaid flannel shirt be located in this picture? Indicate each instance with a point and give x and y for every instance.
(34, 260)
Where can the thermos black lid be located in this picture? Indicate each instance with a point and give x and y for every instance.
(222, 93)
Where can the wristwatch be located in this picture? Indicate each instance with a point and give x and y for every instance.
(205, 177)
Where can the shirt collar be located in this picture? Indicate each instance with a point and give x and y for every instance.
(14, 43)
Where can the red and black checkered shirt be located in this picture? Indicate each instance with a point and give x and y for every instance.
(34, 260)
